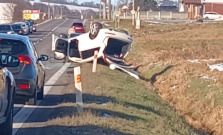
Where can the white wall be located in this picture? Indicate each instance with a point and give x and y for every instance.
(6, 12)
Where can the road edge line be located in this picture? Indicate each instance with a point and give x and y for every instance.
(26, 111)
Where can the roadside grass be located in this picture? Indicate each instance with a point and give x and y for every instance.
(198, 100)
(132, 105)
(119, 104)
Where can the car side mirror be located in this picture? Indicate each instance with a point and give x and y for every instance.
(43, 57)
(8, 61)
(59, 46)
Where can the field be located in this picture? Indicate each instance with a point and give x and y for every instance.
(177, 58)
(181, 97)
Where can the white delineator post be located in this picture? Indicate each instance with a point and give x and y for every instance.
(95, 61)
(78, 87)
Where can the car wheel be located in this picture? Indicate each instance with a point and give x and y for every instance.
(94, 29)
(6, 128)
(32, 100)
(41, 93)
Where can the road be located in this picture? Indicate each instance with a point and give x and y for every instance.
(28, 119)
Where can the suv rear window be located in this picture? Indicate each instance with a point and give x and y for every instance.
(11, 47)
(78, 24)
(16, 27)
(5, 28)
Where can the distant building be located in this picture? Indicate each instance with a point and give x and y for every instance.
(213, 5)
(6, 12)
(196, 8)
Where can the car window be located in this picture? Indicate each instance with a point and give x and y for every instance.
(5, 28)
(78, 24)
(12, 47)
(16, 27)
(33, 49)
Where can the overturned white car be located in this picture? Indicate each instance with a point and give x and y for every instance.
(113, 46)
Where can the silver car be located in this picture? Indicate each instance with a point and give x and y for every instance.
(24, 26)
(29, 75)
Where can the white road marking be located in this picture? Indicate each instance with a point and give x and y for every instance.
(43, 22)
(27, 110)
(59, 25)
(52, 30)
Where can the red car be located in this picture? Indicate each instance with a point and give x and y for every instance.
(78, 27)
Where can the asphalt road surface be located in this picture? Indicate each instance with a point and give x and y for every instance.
(28, 120)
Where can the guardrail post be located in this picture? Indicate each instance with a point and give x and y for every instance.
(147, 14)
(78, 87)
(95, 61)
(171, 15)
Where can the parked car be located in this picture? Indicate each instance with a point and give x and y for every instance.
(6, 28)
(24, 26)
(30, 74)
(7, 91)
(78, 27)
(30, 27)
(212, 16)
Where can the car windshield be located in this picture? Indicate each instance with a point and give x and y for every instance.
(12, 47)
(16, 26)
(78, 24)
(27, 23)
(5, 28)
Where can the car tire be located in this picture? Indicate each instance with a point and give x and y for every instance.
(32, 100)
(40, 94)
(94, 29)
(6, 128)
(62, 35)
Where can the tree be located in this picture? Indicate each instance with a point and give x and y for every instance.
(145, 5)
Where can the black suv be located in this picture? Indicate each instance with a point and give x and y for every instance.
(7, 91)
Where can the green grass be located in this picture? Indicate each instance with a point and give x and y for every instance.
(131, 97)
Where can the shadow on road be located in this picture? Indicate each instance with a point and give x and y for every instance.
(70, 130)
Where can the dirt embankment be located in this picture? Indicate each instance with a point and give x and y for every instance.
(177, 59)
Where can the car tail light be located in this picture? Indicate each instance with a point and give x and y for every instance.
(24, 59)
(20, 32)
(23, 86)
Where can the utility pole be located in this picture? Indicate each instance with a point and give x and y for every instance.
(100, 11)
(109, 9)
(48, 10)
(133, 12)
(61, 11)
(104, 9)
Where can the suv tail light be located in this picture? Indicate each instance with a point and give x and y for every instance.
(24, 59)
(23, 86)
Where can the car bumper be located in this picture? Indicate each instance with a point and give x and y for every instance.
(25, 91)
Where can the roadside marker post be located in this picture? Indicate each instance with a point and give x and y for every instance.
(95, 61)
(78, 87)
